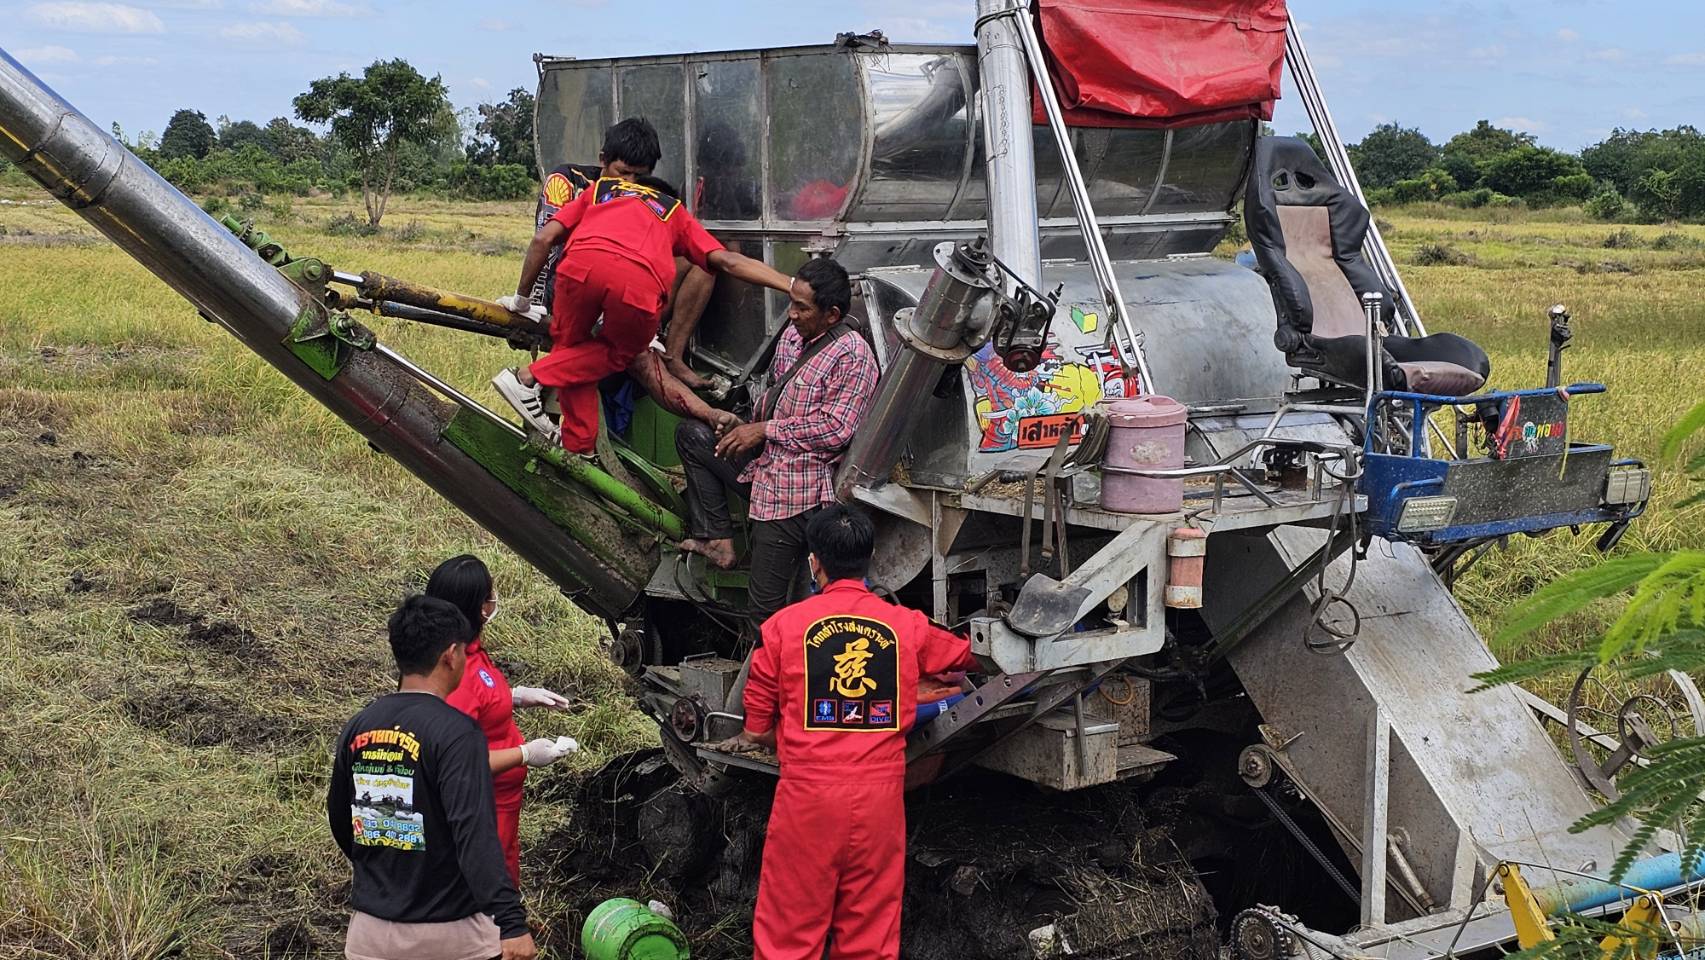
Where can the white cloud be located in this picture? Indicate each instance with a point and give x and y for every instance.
(1686, 60)
(310, 8)
(110, 61)
(1526, 124)
(1609, 55)
(96, 18)
(496, 25)
(49, 54)
(188, 4)
(1568, 36)
(262, 32)
(481, 83)
(1494, 52)
(1634, 113)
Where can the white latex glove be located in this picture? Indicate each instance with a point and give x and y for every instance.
(658, 347)
(516, 303)
(537, 697)
(545, 751)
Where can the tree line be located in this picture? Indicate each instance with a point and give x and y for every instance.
(1650, 175)
(389, 130)
(392, 129)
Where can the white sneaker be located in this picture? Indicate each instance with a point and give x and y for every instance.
(528, 402)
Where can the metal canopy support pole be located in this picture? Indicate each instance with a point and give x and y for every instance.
(1378, 809)
(1126, 337)
(1338, 158)
(1004, 102)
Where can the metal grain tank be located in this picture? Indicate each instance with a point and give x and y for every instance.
(873, 153)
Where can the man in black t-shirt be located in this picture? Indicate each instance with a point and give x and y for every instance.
(411, 806)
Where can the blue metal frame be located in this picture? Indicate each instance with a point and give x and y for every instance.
(1422, 399)
(1391, 480)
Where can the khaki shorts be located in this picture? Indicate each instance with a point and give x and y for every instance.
(470, 938)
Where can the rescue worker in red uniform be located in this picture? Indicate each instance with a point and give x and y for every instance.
(485, 694)
(617, 268)
(833, 685)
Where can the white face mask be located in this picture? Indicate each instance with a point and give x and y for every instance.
(491, 614)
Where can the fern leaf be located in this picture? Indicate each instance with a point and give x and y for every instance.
(1674, 588)
(1525, 670)
(1567, 594)
(1691, 423)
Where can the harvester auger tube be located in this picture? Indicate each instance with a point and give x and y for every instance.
(462, 454)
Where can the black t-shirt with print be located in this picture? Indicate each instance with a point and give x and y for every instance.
(411, 805)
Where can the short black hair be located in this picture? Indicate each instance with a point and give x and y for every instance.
(657, 183)
(842, 538)
(465, 582)
(632, 141)
(422, 629)
(830, 287)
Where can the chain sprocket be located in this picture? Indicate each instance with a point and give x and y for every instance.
(1261, 933)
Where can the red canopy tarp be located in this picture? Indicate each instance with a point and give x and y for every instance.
(1162, 63)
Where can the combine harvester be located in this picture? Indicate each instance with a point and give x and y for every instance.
(1279, 647)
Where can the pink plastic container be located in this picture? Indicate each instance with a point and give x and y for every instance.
(1147, 433)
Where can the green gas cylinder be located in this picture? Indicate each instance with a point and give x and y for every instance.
(622, 929)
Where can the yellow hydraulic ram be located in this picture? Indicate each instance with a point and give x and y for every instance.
(377, 286)
(1641, 933)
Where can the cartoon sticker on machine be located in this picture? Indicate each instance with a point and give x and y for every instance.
(1022, 411)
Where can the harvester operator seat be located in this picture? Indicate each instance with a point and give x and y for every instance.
(1307, 233)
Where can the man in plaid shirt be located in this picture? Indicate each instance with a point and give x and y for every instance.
(784, 461)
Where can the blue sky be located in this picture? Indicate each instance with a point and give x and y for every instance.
(1566, 70)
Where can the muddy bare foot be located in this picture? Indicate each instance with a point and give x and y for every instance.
(719, 552)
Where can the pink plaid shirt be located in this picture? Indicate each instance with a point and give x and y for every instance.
(819, 411)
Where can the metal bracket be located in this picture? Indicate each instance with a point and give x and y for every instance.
(325, 339)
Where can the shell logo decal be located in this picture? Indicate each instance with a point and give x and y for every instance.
(558, 190)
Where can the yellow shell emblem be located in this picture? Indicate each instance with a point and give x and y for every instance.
(558, 190)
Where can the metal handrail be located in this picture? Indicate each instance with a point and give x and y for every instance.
(1127, 339)
(1420, 400)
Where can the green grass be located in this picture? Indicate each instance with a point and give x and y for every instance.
(1640, 332)
(167, 793)
(198, 560)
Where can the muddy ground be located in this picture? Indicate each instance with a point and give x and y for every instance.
(989, 860)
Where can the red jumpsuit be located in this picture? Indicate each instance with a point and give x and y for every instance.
(840, 670)
(619, 264)
(485, 696)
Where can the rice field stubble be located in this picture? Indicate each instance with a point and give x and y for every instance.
(197, 560)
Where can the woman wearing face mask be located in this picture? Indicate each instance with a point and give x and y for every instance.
(485, 695)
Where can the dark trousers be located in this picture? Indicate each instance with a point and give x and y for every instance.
(778, 546)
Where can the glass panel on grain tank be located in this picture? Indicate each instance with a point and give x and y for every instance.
(654, 91)
(1206, 167)
(1123, 179)
(728, 132)
(574, 110)
(816, 115)
(921, 134)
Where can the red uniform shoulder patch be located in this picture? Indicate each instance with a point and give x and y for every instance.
(662, 205)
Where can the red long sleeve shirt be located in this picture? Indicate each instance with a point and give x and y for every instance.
(637, 223)
(485, 696)
(839, 672)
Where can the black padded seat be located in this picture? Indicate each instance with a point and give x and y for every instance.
(1307, 232)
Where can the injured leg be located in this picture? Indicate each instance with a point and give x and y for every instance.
(692, 293)
(675, 396)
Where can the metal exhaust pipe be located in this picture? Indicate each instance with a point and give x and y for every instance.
(951, 321)
(151, 220)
